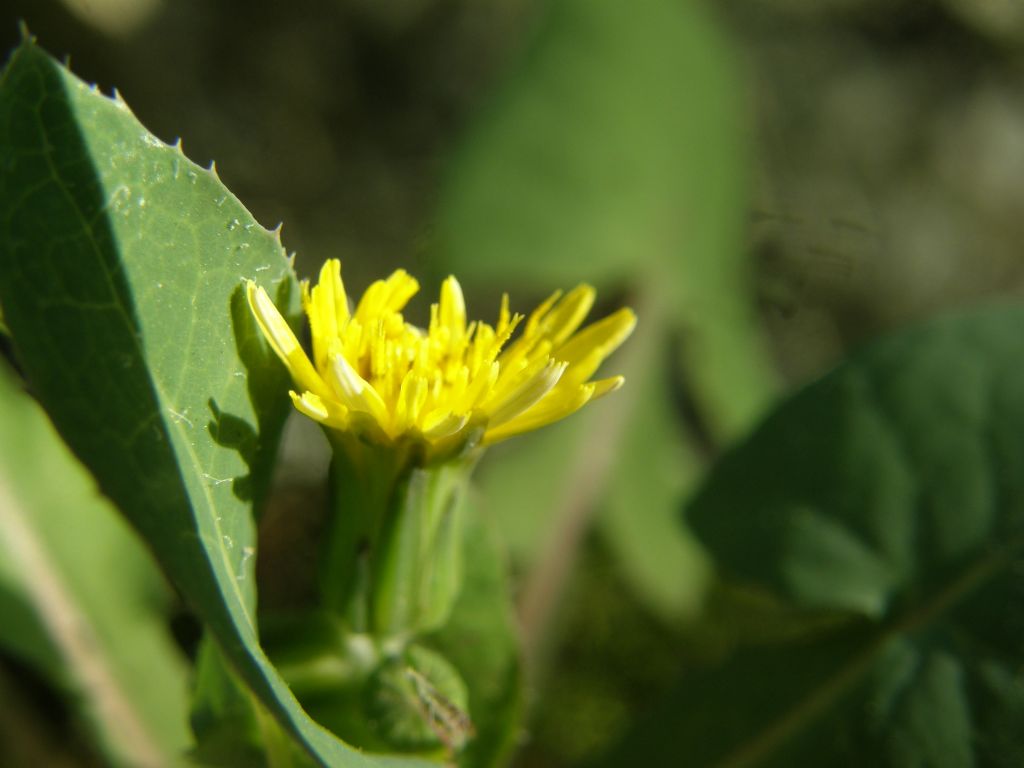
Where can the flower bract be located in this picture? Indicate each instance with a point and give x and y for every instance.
(375, 375)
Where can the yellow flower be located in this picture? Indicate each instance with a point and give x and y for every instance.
(374, 374)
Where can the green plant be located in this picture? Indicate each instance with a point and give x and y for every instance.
(843, 587)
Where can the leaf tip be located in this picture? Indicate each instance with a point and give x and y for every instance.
(27, 38)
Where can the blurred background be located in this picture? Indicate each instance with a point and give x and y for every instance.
(768, 182)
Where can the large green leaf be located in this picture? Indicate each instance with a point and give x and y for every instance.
(889, 494)
(614, 154)
(81, 595)
(891, 473)
(121, 265)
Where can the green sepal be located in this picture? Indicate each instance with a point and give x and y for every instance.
(418, 568)
(391, 566)
(362, 477)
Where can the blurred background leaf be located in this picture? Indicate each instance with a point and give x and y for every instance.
(82, 601)
(613, 153)
(877, 480)
(890, 496)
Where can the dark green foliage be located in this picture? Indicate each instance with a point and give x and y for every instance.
(877, 515)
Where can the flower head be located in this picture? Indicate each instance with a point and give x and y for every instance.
(374, 374)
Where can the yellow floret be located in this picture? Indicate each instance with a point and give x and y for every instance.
(371, 367)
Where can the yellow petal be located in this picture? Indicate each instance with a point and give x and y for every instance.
(603, 387)
(604, 335)
(328, 413)
(538, 315)
(554, 407)
(283, 341)
(386, 296)
(452, 308)
(526, 393)
(323, 310)
(354, 392)
(401, 287)
(579, 373)
(504, 318)
(565, 318)
(478, 390)
(412, 396)
(340, 297)
(438, 428)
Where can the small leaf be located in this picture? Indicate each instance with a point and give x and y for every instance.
(80, 597)
(121, 265)
(889, 494)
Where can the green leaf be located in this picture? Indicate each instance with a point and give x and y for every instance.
(889, 494)
(890, 473)
(121, 269)
(656, 468)
(930, 693)
(716, 710)
(614, 154)
(80, 598)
